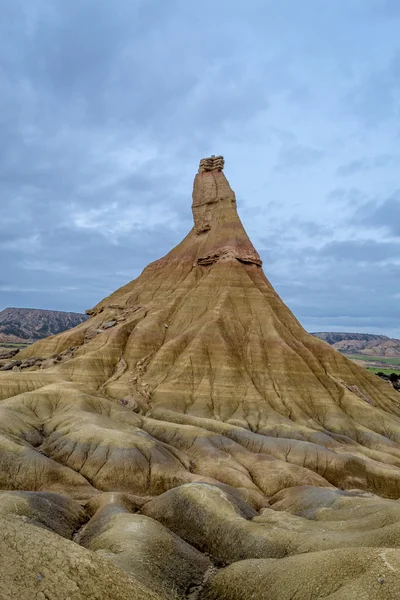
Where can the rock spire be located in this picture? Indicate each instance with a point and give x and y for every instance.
(193, 402)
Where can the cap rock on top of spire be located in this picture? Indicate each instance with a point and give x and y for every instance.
(213, 163)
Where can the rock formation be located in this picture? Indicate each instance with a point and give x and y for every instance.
(31, 324)
(191, 440)
(362, 343)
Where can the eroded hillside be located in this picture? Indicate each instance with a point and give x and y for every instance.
(191, 440)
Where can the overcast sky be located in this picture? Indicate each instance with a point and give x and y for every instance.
(107, 107)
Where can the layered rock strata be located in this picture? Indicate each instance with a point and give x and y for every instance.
(191, 440)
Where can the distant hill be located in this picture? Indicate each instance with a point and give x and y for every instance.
(19, 325)
(367, 344)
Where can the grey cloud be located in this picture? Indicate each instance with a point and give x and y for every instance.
(354, 324)
(296, 156)
(312, 229)
(355, 166)
(348, 196)
(81, 267)
(105, 110)
(362, 164)
(360, 251)
(386, 214)
(345, 294)
(375, 98)
(294, 230)
(349, 282)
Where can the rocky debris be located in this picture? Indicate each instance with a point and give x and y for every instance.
(227, 254)
(25, 364)
(30, 362)
(6, 353)
(130, 402)
(11, 365)
(92, 332)
(68, 352)
(40, 362)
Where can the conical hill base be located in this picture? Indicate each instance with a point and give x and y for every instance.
(194, 395)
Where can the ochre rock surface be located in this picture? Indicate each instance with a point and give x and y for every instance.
(191, 440)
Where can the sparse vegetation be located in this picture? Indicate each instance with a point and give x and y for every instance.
(393, 360)
(13, 345)
(384, 371)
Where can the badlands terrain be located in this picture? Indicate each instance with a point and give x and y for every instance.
(191, 440)
(367, 344)
(26, 325)
(378, 353)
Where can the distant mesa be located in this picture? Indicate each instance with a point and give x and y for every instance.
(367, 344)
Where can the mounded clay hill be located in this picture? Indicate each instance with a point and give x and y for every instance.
(191, 440)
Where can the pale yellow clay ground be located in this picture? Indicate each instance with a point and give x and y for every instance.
(191, 440)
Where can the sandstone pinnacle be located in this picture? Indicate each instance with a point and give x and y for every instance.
(192, 425)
